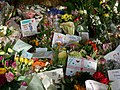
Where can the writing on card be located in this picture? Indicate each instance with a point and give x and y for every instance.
(94, 85)
(20, 46)
(80, 64)
(114, 74)
(28, 27)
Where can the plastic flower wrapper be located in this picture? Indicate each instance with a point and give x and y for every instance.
(7, 12)
(35, 84)
(62, 56)
(68, 27)
(76, 82)
(86, 49)
(112, 64)
(7, 34)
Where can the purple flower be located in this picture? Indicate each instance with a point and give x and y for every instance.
(7, 63)
(2, 79)
(9, 76)
(24, 84)
(11, 62)
(1, 58)
(14, 64)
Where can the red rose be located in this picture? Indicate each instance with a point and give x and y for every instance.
(98, 75)
(104, 80)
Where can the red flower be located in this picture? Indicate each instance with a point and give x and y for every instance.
(89, 42)
(98, 75)
(104, 80)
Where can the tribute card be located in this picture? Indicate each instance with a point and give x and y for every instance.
(20, 45)
(94, 85)
(28, 27)
(80, 64)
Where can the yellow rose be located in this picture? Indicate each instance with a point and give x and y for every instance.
(2, 70)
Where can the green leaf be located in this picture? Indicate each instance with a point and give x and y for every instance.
(8, 45)
(21, 78)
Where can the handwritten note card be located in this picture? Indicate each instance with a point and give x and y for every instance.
(114, 74)
(72, 38)
(41, 49)
(54, 75)
(94, 85)
(80, 64)
(48, 54)
(63, 39)
(115, 85)
(114, 55)
(26, 54)
(58, 38)
(20, 45)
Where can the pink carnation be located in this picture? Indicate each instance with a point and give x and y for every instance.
(9, 76)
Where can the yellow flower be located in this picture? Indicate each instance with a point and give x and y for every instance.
(26, 61)
(2, 70)
(30, 62)
(81, 11)
(16, 58)
(101, 2)
(106, 15)
(21, 59)
(66, 17)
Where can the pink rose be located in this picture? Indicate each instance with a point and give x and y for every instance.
(9, 76)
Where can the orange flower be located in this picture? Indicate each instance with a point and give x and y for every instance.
(36, 43)
(2, 70)
(39, 63)
(78, 87)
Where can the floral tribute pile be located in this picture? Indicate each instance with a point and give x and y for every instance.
(74, 45)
